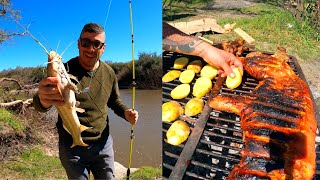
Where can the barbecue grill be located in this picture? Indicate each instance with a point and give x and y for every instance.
(214, 145)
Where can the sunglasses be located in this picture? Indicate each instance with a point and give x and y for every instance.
(85, 42)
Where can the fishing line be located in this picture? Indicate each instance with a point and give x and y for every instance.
(26, 30)
(105, 21)
(133, 88)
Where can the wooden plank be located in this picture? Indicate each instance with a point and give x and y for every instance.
(200, 25)
(245, 36)
(206, 40)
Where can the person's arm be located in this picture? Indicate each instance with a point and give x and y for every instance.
(177, 41)
(119, 107)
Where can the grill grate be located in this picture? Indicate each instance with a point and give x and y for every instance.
(218, 149)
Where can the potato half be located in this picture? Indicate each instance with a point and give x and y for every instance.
(202, 86)
(193, 107)
(171, 111)
(186, 76)
(181, 91)
(195, 66)
(233, 83)
(209, 71)
(178, 132)
(180, 62)
(171, 75)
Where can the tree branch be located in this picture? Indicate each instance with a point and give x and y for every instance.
(4, 36)
(13, 103)
(11, 79)
(4, 4)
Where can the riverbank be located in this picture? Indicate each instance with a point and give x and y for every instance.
(121, 171)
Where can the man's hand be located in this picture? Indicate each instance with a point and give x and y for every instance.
(49, 94)
(223, 60)
(131, 116)
(177, 41)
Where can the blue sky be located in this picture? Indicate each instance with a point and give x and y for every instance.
(60, 22)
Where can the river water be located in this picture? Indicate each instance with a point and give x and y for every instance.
(147, 141)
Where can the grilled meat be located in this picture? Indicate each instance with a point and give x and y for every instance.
(235, 47)
(277, 120)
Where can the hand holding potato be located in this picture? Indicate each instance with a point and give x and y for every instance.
(233, 83)
(222, 59)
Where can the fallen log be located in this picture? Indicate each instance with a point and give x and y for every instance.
(13, 103)
(11, 79)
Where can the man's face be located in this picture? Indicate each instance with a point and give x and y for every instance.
(91, 49)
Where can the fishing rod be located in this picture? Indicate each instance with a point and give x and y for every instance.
(133, 88)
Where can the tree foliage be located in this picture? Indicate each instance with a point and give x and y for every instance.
(6, 13)
(148, 72)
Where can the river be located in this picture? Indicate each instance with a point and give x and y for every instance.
(147, 142)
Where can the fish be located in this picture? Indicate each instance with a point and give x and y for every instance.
(67, 89)
(277, 120)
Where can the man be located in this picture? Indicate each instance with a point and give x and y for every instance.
(177, 41)
(100, 89)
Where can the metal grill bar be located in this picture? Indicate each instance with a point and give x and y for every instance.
(185, 157)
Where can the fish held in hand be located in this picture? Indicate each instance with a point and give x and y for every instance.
(67, 89)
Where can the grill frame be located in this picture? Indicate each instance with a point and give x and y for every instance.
(221, 138)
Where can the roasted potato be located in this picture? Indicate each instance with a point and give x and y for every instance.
(171, 111)
(233, 83)
(193, 107)
(209, 71)
(180, 62)
(195, 66)
(186, 76)
(181, 91)
(171, 75)
(202, 86)
(178, 132)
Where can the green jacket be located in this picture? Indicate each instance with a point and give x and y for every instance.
(103, 93)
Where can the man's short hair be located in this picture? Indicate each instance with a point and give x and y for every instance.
(92, 28)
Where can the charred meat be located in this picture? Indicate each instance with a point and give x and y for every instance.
(277, 120)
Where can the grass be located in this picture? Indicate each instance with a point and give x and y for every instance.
(146, 173)
(11, 120)
(272, 27)
(184, 8)
(33, 164)
(269, 25)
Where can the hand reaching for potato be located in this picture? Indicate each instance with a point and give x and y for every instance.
(176, 41)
